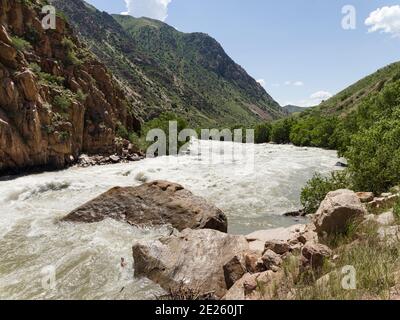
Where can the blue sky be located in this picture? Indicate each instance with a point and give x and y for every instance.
(296, 48)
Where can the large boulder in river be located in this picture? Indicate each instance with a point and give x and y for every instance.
(191, 261)
(339, 209)
(155, 203)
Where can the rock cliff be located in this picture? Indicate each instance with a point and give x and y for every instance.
(56, 99)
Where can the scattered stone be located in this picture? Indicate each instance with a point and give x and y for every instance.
(259, 286)
(314, 255)
(115, 159)
(389, 234)
(155, 203)
(193, 259)
(337, 211)
(277, 246)
(386, 219)
(272, 261)
(298, 213)
(254, 263)
(341, 164)
(365, 196)
(234, 270)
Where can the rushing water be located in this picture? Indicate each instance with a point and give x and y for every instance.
(86, 258)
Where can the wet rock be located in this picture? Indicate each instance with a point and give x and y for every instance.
(337, 211)
(341, 164)
(193, 260)
(299, 213)
(115, 159)
(155, 203)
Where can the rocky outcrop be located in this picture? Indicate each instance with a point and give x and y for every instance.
(339, 209)
(282, 240)
(56, 100)
(155, 203)
(192, 260)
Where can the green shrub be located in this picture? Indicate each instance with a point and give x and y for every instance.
(20, 44)
(281, 129)
(374, 157)
(262, 133)
(71, 58)
(121, 131)
(62, 102)
(319, 186)
(81, 96)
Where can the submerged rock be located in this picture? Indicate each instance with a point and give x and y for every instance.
(155, 203)
(193, 260)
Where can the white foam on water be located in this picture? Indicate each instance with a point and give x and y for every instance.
(87, 257)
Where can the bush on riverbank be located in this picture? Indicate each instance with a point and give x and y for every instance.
(319, 186)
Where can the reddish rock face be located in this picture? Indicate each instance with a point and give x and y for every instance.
(56, 100)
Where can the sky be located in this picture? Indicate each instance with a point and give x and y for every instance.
(301, 51)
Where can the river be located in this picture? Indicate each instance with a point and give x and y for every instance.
(253, 188)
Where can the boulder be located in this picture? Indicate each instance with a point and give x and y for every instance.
(314, 255)
(155, 203)
(386, 219)
(193, 260)
(254, 263)
(337, 211)
(272, 261)
(260, 286)
(234, 270)
(282, 240)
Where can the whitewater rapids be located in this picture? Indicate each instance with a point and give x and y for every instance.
(253, 188)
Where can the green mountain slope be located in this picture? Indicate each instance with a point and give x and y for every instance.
(350, 98)
(293, 109)
(166, 70)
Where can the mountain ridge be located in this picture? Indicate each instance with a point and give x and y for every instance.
(206, 88)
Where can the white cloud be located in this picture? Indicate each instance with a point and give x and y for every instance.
(155, 9)
(262, 82)
(294, 83)
(315, 99)
(321, 95)
(385, 19)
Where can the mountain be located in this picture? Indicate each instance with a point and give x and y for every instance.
(163, 69)
(57, 99)
(289, 109)
(350, 98)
